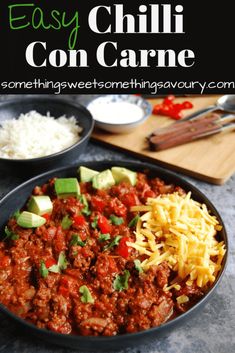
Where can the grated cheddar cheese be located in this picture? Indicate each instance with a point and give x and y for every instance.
(179, 230)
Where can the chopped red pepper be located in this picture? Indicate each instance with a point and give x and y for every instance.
(130, 199)
(46, 216)
(171, 109)
(123, 249)
(104, 225)
(50, 262)
(97, 203)
(149, 193)
(79, 220)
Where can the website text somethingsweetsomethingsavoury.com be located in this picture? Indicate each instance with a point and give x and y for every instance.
(135, 85)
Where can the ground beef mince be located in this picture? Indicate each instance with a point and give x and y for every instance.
(76, 274)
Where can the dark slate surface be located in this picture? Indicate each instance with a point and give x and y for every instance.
(210, 331)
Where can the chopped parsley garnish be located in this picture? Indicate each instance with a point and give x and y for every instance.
(116, 220)
(16, 214)
(104, 237)
(10, 235)
(83, 200)
(121, 281)
(56, 268)
(43, 270)
(113, 243)
(66, 222)
(94, 223)
(86, 295)
(138, 267)
(134, 221)
(76, 240)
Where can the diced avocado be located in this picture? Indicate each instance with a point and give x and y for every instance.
(66, 187)
(103, 180)
(40, 205)
(123, 174)
(30, 220)
(86, 174)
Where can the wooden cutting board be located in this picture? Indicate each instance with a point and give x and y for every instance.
(211, 159)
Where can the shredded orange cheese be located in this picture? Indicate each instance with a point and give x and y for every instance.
(182, 232)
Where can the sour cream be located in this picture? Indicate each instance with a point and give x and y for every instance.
(115, 112)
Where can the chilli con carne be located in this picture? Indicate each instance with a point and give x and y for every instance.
(76, 273)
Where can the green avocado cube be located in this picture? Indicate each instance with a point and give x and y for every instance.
(40, 205)
(124, 174)
(86, 174)
(103, 180)
(30, 220)
(65, 187)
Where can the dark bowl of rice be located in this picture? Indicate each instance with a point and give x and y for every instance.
(39, 133)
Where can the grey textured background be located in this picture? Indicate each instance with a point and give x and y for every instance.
(212, 330)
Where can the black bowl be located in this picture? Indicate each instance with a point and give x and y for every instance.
(57, 107)
(16, 199)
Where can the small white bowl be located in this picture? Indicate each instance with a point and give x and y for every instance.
(113, 120)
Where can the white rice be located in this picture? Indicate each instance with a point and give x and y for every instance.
(33, 135)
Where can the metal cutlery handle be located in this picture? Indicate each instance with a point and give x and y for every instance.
(228, 127)
(199, 113)
(227, 118)
(221, 129)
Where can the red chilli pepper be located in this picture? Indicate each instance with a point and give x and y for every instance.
(176, 114)
(49, 263)
(169, 99)
(123, 249)
(187, 105)
(171, 109)
(157, 109)
(104, 225)
(79, 220)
